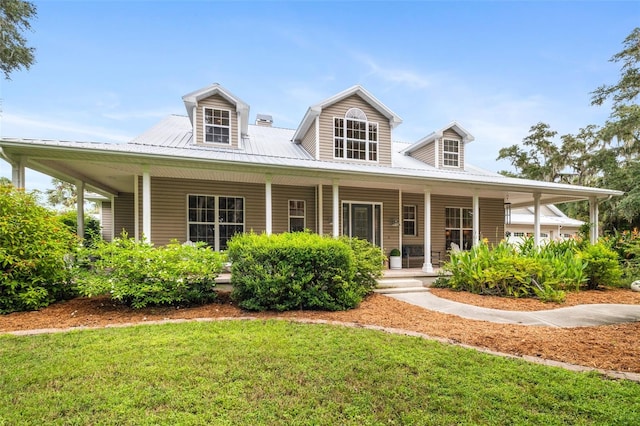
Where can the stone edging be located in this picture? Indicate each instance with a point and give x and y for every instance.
(635, 377)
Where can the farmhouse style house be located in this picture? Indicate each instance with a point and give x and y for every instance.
(210, 174)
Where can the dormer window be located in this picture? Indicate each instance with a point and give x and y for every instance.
(217, 126)
(355, 138)
(451, 153)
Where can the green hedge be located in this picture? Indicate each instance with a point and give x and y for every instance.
(301, 271)
(34, 244)
(138, 274)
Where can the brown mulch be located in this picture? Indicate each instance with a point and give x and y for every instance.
(611, 347)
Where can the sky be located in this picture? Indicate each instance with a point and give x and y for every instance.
(106, 71)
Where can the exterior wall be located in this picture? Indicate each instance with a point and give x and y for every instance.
(453, 135)
(106, 220)
(492, 219)
(217, 102)
(123, 211)
(280, 196)
(418, 201)
(338, 110)
(309, 141)
(426, 154)
(169, 205)
(390, 208)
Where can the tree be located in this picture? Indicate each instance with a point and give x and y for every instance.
(62, 194)
(624, 121)
(14, 21)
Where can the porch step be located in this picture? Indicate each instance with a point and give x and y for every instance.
(399, 285)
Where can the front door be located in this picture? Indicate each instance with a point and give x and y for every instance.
(362, 220)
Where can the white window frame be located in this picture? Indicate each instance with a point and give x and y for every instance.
(205, 125)
(303, 216)
(217, 222)
(450, 158)
(414, 220)
(372, 147)
(460, 227)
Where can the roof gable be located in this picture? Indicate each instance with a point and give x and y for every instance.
(316, 110)
(191, 100)
(430, 138)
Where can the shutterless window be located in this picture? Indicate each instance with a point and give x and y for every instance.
(355, 137)
(217, 125)
(296, 215)
(214, 219)
(459, 227)
(409, 218)
(451, 152)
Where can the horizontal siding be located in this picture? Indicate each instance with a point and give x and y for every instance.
(492, 219)
(217, 102)
(309, 141)
(426, 154)
(169, 205)
(280, 196)
(409, 199)
(123, 215)
(106, 220)
(338, 110)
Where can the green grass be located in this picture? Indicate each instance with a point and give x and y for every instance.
(280, 373)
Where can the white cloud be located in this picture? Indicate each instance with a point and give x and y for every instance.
(406, 77)
(23, 126)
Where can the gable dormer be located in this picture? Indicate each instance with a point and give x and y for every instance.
(352, 126)
(443, 149)
(218, 118)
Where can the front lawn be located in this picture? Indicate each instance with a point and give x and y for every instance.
(275, 372)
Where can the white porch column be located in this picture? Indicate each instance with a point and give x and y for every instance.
(536, 220)
(400, 219)
(113, 217)
(427, 266)
(146, 204)
(336, 209)
(80, 208)
(17, 174)
(593, 219)
(268, 205)
(476, 219)
(320, 211)
(136, 208)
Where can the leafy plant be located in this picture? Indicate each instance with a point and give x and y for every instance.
(34, 244)
(301, 271)
(603, 267)
(91, 227)
(395, 252)
(139, 274)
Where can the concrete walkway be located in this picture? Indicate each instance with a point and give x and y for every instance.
(572, 316)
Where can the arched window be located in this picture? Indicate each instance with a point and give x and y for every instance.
(355, 137)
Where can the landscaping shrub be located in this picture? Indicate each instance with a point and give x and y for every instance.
(506, 270)
(603, 267)
(138, 274)
(301, 271)
(92, 232)
(34, 244)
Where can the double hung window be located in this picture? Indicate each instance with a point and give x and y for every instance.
(409, 218)
(217, 126)
(296, 215)
(458, 228)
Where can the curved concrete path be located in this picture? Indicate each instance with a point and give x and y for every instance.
(572, 316)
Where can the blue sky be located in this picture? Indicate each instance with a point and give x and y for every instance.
(108, 70)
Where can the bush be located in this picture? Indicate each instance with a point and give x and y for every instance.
(139, 275)
(92, 232)
(603, 267)
(301, 271)
(506, 270)
(33, 247)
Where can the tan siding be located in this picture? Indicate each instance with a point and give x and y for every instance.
(309, 141)
(217, 102)
(338, 110)
(492, 219)
(426, 154)
(106, 220)
(123, 211)
(280, 203)
(418, 201)
(169, 205)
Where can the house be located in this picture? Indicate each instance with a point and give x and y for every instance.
(554, 224)
(210, 174)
